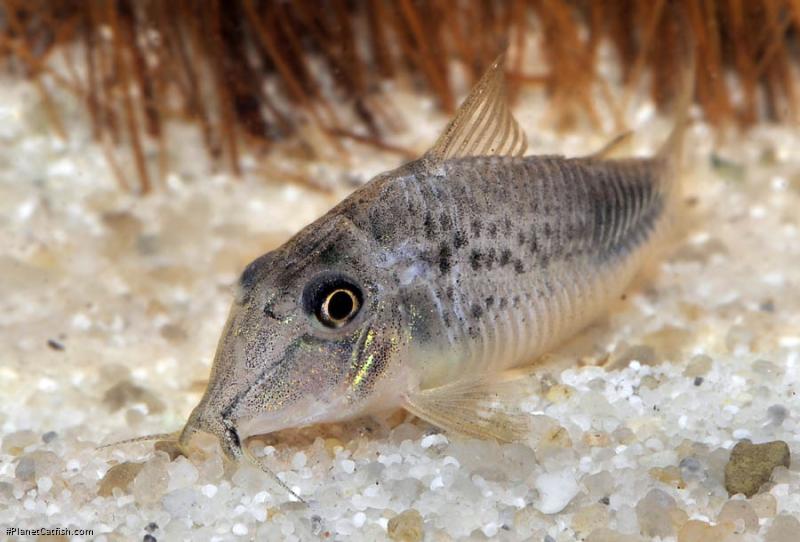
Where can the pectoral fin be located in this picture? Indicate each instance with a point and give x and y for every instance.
(477, 408)
(483, 124)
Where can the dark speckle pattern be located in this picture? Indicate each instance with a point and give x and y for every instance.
(499, 232)
(491, 258)
(503, 234)
(459, 240)
(429, 226)
(476, 227)
(444, 259)
(476, 311)
(475, 259)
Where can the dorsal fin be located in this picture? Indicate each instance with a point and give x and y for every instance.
(610, 149)
(483, 124)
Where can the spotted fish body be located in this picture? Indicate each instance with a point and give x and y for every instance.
(496, 259)
(427, 283)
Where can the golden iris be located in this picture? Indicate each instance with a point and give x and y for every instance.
(338, 307)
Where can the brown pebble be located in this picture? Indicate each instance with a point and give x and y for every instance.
(126, 392)
(751, 465)
(669, 475)
(406, 527)
(170, 447)
(120, 476)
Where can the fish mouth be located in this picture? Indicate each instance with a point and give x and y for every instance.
(281, 395)
(301, 399)
(218, 426)
(215, 413)
(232, 444)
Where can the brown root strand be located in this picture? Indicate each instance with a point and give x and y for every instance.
(253, 71)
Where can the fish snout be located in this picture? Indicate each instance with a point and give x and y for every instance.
(215, 424)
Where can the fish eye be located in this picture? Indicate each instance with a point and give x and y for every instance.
(338, 307)
(333, 300)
